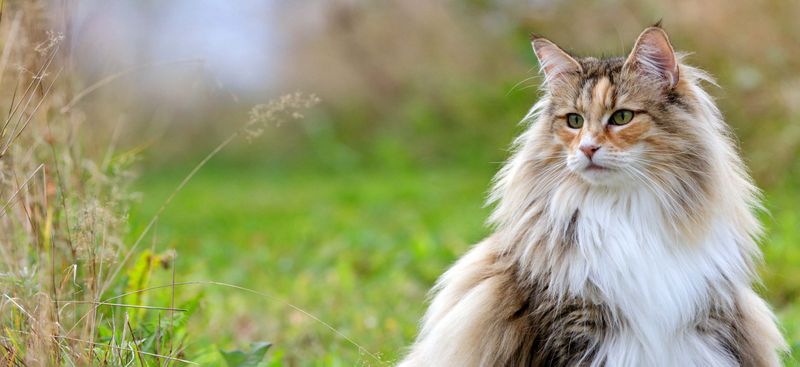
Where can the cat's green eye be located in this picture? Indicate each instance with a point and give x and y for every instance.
(574, 120)
(621, 117)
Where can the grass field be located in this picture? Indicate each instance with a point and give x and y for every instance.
(358, 250)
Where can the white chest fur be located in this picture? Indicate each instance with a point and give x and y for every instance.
(655, 284)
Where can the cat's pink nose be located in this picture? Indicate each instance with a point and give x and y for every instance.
(589, 150)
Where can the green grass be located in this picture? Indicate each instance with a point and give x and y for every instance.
(781, 268)
(357, 249)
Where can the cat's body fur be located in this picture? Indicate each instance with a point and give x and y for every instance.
(584, 269)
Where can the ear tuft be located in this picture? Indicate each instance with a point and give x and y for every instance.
(553, 61)
(658, 23)
(654, 56)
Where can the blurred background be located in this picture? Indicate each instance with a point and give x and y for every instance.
(352, 212)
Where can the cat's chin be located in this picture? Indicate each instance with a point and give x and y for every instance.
(599, 175)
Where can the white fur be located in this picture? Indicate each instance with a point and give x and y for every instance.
(627, 252)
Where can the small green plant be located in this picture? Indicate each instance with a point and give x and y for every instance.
(251, 358)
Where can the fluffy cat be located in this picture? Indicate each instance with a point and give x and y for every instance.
(625, 231)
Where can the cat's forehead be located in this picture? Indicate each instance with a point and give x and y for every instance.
(594, 68)
(601, 82)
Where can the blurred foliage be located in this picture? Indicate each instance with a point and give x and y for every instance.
(352, 213)
(426, 80)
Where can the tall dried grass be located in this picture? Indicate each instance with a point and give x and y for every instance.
(63, 219)
(73, 291)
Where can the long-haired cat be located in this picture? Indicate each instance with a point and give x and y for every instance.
(625, 231)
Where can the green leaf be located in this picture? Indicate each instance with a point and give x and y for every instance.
(238, 358)
(138, 279)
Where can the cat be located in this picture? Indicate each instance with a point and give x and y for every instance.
(625, 230)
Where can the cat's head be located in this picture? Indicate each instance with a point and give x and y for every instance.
(638, 130)
(618, 120)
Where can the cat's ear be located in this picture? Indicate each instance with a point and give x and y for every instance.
(553, 61)
(654, 56)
